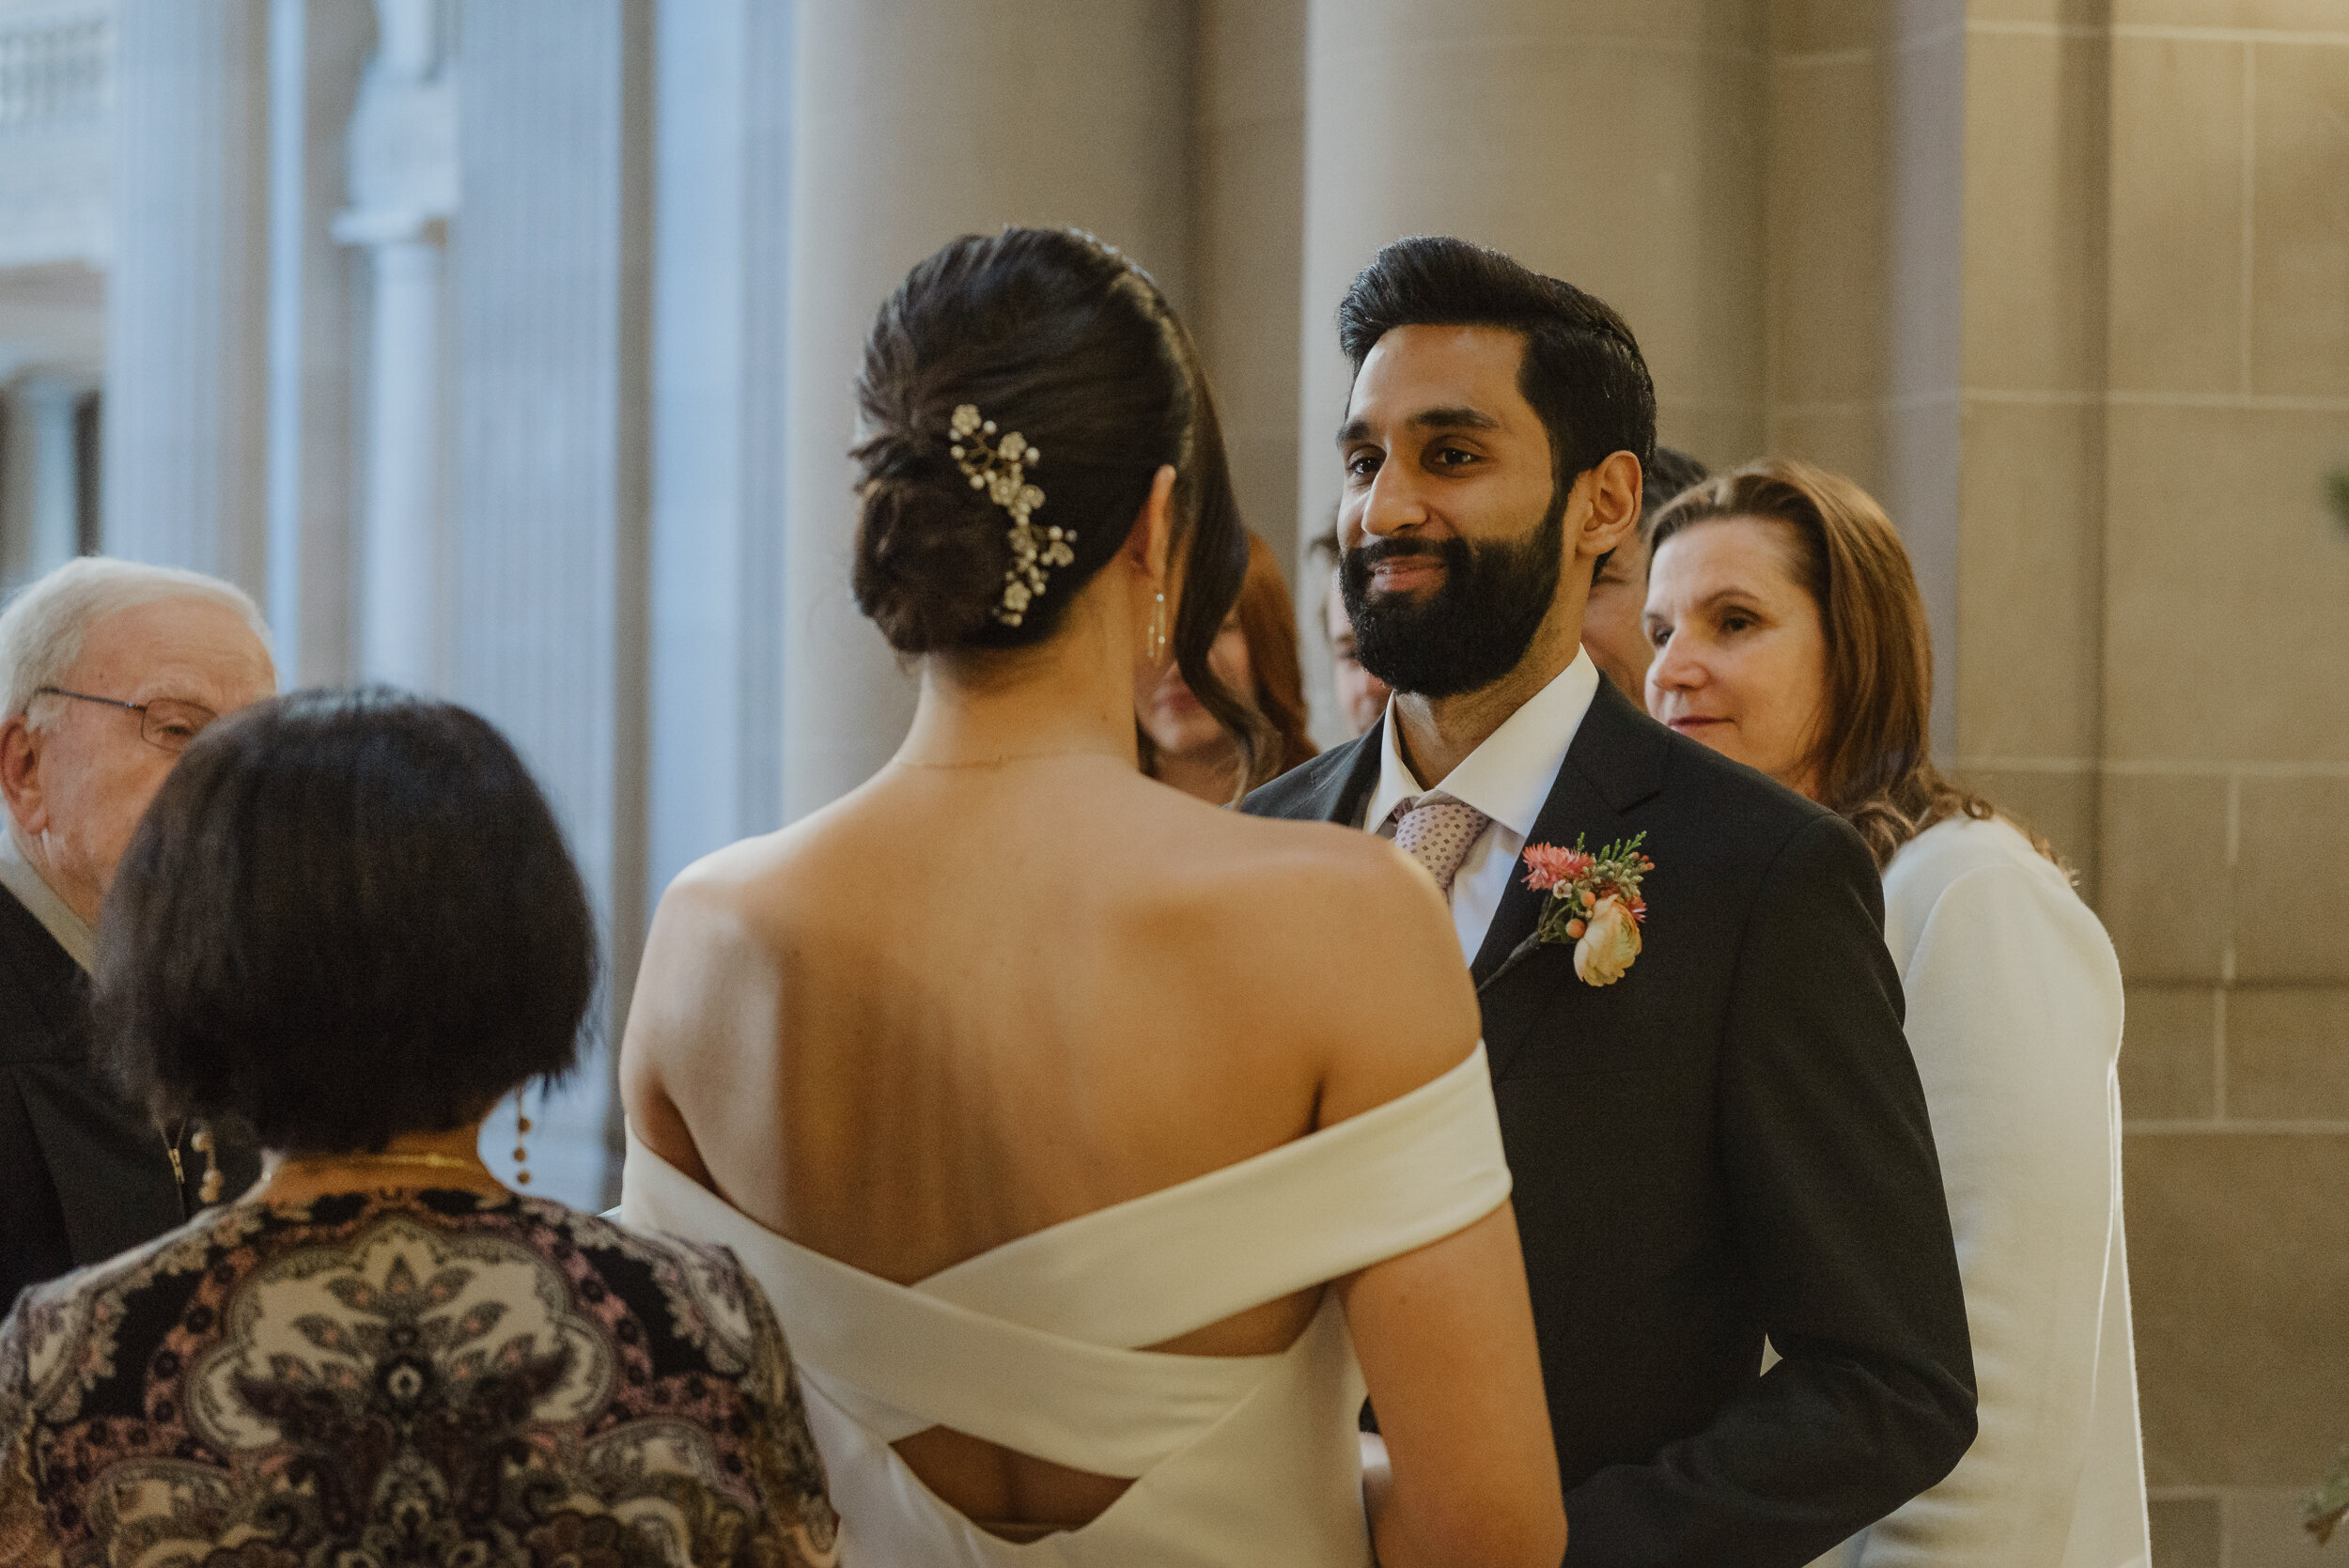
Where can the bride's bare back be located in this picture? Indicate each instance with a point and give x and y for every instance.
(968, 1003)
(1009, 980)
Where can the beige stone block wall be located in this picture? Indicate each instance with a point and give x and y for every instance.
(2216, 743)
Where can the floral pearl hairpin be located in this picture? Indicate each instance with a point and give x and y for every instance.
(1593, 902)
(1001, 469)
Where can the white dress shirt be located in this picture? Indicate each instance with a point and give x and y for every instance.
(22, 878)
(1508, 778)
(2015, 1020)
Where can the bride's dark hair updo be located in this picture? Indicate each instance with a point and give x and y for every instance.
(1053, 335)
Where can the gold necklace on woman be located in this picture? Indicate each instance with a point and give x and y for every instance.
(437, 1162)
(1004, 761)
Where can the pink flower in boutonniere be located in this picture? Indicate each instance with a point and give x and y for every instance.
(1593, 902)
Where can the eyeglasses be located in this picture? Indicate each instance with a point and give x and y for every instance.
(166, 723)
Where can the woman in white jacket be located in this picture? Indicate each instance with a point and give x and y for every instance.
(1790, 635)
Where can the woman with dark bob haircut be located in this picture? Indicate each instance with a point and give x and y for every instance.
(1789, 634)
(349, 923)
(1094, 1188)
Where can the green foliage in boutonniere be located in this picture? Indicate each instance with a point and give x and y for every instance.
(1593, 902)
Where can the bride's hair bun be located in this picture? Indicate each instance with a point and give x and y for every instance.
(929, 549)
(1048, 336)
(1036, 338)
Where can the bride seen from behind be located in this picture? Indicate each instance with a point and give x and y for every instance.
(1082, 1166)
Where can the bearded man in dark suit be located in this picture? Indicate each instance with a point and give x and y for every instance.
(1726, 1139)
(107, 670)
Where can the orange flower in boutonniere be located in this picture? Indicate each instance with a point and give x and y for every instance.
(1593, 902)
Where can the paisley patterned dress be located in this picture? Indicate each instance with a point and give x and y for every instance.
(378, 1379)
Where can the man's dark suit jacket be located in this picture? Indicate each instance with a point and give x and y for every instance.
(1729, 1142)
(84, 1174)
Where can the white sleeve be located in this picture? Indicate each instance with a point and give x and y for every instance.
(2015, 1020)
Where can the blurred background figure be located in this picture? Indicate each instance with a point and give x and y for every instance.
(108, 669)
(1255, 655)
(1790, 635)
(1610, 626)
(350, 923)
(1361, 696)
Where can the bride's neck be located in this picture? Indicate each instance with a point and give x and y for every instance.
(1071, 694)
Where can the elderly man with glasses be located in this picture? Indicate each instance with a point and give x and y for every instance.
(107, 670)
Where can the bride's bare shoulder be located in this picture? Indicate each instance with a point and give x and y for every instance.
(748, 877)
(1334, 917)
(1312, 860)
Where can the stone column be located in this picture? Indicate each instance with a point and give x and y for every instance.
(917, 123)
(1251, 153)
(43, 492)
(45, 404)
(1250, 324)
(722, 207)
(547, 541)
(1616, 146)
(1867, 194)
(187, 327)
(315, 50)
(403, 190)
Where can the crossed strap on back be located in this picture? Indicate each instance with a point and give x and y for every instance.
(1029, 1345)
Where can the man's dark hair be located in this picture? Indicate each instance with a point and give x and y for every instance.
(1582, 372)
(347, 915)
(1671, 472)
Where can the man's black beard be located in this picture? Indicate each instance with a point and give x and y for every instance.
(1470, 630)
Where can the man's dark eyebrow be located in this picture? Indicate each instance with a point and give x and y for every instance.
(1453, 419)
(1459, 418)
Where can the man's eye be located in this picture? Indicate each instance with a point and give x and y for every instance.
(1659, 635)
(1362, 466)
(1453, 456)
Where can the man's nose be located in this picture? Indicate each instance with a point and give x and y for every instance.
(1392, 503)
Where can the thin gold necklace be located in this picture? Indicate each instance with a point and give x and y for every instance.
(1003, 761)
(437, 1162)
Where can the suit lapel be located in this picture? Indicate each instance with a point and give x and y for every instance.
(1339, 797)
(1616, 761)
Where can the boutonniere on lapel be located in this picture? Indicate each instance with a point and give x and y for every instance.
(1593, 902)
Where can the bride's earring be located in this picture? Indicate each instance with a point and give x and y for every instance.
(1158, 629)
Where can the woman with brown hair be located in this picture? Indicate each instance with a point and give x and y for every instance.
(1255, 655)
(1789, 635)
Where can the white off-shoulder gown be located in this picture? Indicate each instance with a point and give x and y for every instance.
(1237, 1462)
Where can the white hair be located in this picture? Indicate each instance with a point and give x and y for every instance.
(43, 629)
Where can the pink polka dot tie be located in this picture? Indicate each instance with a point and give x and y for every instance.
(1436, 832)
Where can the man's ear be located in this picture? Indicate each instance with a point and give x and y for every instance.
(1611, 512)
(20, 774)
